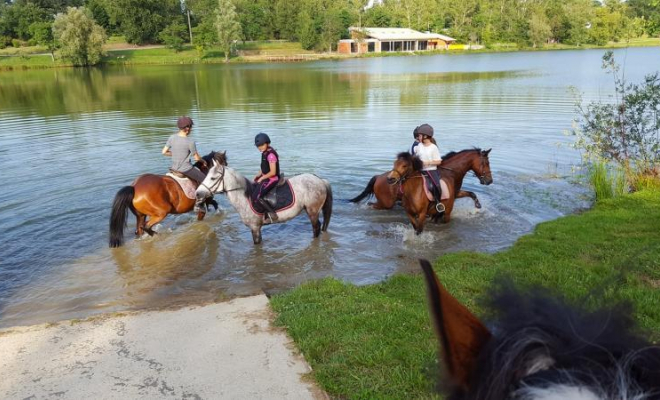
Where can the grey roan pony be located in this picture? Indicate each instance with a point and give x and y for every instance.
(540, 347)
(312, 194)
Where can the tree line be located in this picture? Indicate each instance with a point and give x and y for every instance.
(319, 24)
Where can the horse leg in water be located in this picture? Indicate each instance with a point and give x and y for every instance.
(313, 214)
(139, 225)
(466, 193)
(153, 220)
(256, 234)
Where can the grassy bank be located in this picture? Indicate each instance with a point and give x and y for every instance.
(376, 341)
(33, 57)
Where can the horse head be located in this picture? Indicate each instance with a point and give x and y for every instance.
(541, 347)
(481, 167)
(214, 181)
(404, 165)
(204, 166)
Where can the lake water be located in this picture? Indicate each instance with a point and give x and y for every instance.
(70, 139)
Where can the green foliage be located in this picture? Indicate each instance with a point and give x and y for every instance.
(607, 182)
(227, 26)
(79, 37)
(141, 21)
(627, 130)
(174, 35)
(307, 29)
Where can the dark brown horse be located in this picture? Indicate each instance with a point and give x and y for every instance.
(151, 198)
(388, 195)
(407, 173)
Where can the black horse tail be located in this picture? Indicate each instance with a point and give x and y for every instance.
(327, 207)
(123, 202)
(368, 191)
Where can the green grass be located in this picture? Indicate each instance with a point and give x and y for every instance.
(376, 341)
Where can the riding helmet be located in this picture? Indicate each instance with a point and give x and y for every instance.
(415, 133)
(184, 122)
(260, 139)
(425, 129)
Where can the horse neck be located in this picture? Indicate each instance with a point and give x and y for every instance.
(235, 186)
(462, 163)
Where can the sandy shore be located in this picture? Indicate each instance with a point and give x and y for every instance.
(226, 350)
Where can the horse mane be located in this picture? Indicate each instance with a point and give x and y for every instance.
(249, 188)
(540, 338)
(416, 163)
(454, 153)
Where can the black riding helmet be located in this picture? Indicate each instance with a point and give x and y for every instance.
(425, 129)
(415, 133)
(260, 139)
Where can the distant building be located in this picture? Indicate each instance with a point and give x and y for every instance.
(377, 40)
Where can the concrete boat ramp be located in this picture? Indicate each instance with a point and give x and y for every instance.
(220, 351)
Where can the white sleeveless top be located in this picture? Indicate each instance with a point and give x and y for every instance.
(428, 153)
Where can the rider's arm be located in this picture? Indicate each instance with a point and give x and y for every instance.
(271, 173)
(166, 151)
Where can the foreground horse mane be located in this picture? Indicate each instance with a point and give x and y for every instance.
(455, 153)
(416, 163)
(542, 344)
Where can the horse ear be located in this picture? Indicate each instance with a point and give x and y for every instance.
(461, 334)
(487, 151)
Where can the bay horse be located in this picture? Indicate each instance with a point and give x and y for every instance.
(407, 173)
(541, 347)
(151, 198)
(388, 195)
(311, 193)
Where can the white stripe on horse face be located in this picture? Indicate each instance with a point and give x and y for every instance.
(556, 392)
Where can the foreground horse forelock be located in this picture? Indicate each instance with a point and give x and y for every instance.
(541, 347)
(311, 193)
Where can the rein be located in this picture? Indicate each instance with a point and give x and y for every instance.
(215, 186)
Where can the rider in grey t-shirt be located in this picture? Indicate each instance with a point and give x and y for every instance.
(180, 147)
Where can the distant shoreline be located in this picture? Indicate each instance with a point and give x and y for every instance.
(159, 55)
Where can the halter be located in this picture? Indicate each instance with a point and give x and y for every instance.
(483, 168)
(214, 187)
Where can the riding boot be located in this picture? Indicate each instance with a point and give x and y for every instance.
(270, 212)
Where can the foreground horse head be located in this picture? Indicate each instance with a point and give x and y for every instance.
(541, 347)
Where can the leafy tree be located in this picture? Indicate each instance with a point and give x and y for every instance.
(174, 35)
(42, 33)
(377, 17)
(539, 29)
(307, 29)
(79, 37)
(227, 26)
(140, 21)
(253, 17)
(100, 14)
(288, 19)
(627, 130)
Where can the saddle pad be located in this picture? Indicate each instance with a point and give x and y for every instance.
(443, 186)
(186, 184)
(282, 198)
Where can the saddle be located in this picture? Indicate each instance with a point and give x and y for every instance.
(429, 188)
(188, 185)
(281, 197)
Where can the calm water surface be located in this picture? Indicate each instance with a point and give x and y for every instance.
(69, 139)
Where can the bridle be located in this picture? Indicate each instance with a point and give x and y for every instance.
(482, 177)
(213, 188)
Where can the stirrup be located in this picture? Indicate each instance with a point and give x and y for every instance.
(439, 207)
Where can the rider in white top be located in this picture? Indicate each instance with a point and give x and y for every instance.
(428, 152)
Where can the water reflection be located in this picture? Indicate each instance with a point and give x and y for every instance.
(168, 258)
(88, 132)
